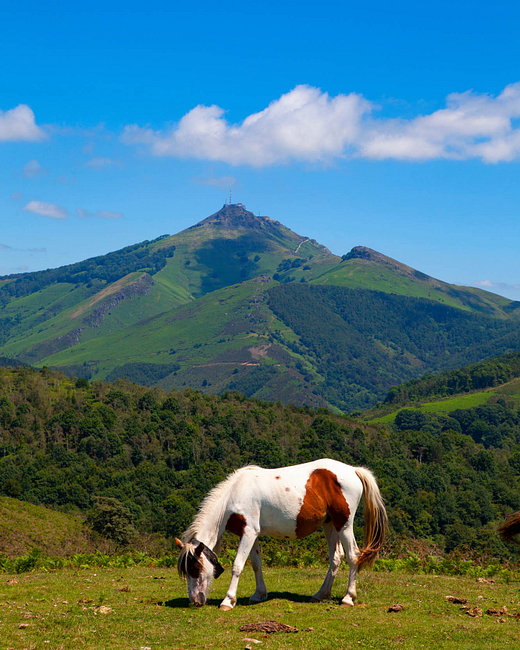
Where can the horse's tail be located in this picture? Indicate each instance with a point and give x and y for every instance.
(510, 528)
(376, 520)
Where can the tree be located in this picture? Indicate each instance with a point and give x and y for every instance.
(110, 518)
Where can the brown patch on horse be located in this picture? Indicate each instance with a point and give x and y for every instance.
(323, 496)
(277, 478)
(287, 489)
(236, 524)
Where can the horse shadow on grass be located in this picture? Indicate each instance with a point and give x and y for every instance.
(182, 603)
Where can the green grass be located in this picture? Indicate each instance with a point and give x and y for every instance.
(361, 274)
(143, 607)
(24, 526)
(441, 406)
(365, 274)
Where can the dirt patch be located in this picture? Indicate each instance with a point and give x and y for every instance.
(456, 600)
(260, 351)
(396, 608)
(268, 627)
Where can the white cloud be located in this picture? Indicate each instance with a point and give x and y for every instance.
(4, 247)
(308, 125)
(471, 126)
(488, 285)
(109, 215)
(304, 124)
(83, 213)
(103, 214)
(18, 124)
(222, 182)
(100, 163)
(46, 209)
(33, 169)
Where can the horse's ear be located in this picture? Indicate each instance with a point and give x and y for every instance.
(179, 543)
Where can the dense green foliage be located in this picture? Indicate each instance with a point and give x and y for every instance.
(64, 443)
(362, 342)
(487, 374)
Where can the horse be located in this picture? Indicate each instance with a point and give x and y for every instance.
(510, 528)
(287, 503)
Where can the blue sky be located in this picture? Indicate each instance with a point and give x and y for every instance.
(394, 126)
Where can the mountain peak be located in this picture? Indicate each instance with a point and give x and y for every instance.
(235, 215)
(365, 253)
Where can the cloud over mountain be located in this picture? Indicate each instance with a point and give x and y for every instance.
(308, 125)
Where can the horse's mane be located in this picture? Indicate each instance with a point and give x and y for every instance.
(214, 503)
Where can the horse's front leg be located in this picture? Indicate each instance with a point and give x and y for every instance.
(256, 561)
(244, 548)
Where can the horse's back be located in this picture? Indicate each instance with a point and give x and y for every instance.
(278, 498)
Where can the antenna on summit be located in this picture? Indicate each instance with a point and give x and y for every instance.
(229, 197)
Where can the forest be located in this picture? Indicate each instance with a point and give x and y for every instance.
(70, 443)
(478, 376)
(362, 342)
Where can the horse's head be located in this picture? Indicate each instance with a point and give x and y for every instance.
(199, 565)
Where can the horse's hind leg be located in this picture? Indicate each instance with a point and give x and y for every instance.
(256, 562)
(351, 549)
(335, 556)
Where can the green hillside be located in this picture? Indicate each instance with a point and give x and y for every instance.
(477, 389)
(296, 342)
(25, 526)
(364, 268)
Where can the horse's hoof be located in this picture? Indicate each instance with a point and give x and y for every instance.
(347, 604)
(315, 600)
(257, 600)
(225, 608)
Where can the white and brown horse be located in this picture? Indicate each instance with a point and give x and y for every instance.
(288, 503)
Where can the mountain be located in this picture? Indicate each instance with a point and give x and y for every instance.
(241, 302)
(46, 312)
(364, 268)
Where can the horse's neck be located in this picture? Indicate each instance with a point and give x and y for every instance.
(208, 532)
(210, 523)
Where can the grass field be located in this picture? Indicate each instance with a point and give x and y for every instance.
(145, 608)
(442, 406)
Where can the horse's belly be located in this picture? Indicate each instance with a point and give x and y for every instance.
(287, 531)
(278, 522)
